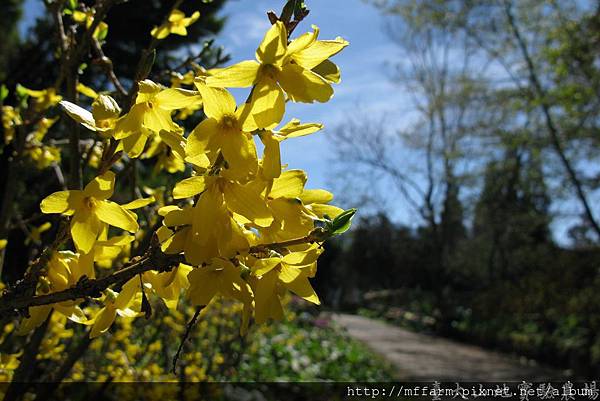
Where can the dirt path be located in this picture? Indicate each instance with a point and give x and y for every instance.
(422, 357)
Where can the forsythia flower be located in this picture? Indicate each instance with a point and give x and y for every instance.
(36, 232)
(291, 272)
(87, 18)
(177, 24)
(43, 99)
(223, 131)
(102, 119)
(280, 67)
(10, 120)
(151, 113)
(90, 208)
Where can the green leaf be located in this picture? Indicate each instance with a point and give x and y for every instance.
(3, 92)
(72, 4)
(342, 222)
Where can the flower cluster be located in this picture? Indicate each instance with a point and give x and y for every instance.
(242, 225)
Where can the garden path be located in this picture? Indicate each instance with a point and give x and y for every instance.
(422, 357)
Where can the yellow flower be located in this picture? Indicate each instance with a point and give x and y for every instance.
(36, 232)
(220, 277)
(291, 272)
(116, 304)
(204, 231)
(168, 285)
(87, 18)
(169, 147)
(244, 200)
(88, 208)
(151, 114)
(10, 120)
(44, 156)
(3, 243)
(102, 119)
(43, 99)
(293, 68)
(223, 131)
(177, 24)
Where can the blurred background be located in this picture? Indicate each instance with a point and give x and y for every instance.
(467, 134)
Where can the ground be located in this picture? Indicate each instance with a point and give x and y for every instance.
(421, 357)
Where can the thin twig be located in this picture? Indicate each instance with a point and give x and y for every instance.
(188, 330)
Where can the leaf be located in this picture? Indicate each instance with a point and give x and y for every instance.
(342, 222)
(3, 93)
(146, 307)
(72, 4)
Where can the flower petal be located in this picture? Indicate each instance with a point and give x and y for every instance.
(243, 200)
(274, 45)
(189, 187)
(101, 187)
(289, 185)
(115, 215)
(217, 101)
(271, 161)
(64, 202)
(303, 85)
(79, 114)
(177, 98)
(84, 230)
(239, 75)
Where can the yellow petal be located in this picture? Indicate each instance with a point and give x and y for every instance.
(326, 210)
(274, 45)
(202, 285)
(217, 101)
(84, 230)
(289, 185)
(303, 41)
(267, 303)
(179, 217)
(243, 200)
(301, 287)
(157, 119)
(294, 129)
(263, 266)
(103, 321)
(115, 215)
(130, 122)
(309, 196)
(79, 114)
(239, 151)
(288, 274)
(267, 103)
(101, 187)
(189, 187)
(271, 161)
(175, 141)
(318, 52)
(239, 75)
(138, 203)
(64, 202)
(177, 98)
(329, 71)
(199, 138)
(303, 85)
(134, 144)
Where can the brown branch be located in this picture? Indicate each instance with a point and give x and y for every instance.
(107, 64)
(13, 303)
